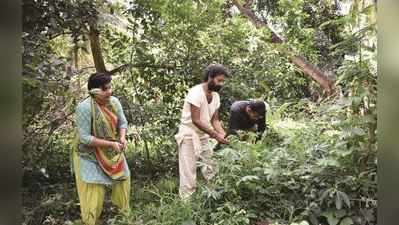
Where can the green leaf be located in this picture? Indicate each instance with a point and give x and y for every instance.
(358, 131)
(328, 162)
(247, 178)
(324, 195)
(340, 213)
(345, 198)
(331, 218)
(338, 201)
(188, 222)
(346, 221)
(301, 223)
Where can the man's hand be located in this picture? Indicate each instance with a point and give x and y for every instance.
(223, 134)
(220, 138)
(242, 135)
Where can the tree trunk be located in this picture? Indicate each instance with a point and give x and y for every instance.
(75, 56)
(309, 69)
(94, 37)
(75, 62)
(148, 157)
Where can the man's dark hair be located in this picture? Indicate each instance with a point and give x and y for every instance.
(213, 70)
(258, 106)
(99, 79)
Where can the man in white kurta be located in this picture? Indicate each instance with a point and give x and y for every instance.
(199, 121)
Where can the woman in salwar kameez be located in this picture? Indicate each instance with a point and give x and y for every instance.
(98, 153)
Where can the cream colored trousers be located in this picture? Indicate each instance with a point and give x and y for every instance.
(188, 161)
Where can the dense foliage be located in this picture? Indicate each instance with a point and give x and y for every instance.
(316, 163)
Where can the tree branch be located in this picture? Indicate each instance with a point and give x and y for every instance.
(141, 65)
(255, 20)
(248, 4)
(300, 61)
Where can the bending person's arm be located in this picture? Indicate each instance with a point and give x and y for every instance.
(261, 124)
(233, 123)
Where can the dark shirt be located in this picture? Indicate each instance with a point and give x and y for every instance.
(239, 119)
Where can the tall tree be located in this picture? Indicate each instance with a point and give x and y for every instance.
(94, 36)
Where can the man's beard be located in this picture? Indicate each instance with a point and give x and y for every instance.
(213, 87)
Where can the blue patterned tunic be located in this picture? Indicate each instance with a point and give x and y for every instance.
(90, 170)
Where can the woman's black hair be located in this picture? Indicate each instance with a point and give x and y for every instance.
(99, 79)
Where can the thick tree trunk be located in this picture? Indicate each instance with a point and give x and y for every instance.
(96, 49)
(309, 69)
